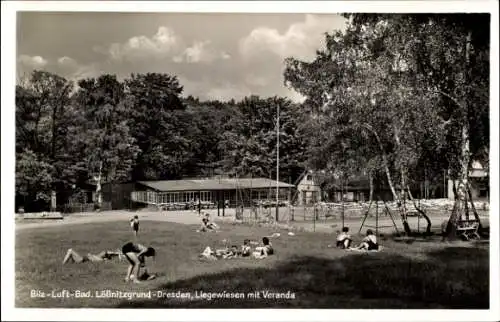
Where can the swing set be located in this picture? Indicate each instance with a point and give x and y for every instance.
(259, 212)
(386, 211)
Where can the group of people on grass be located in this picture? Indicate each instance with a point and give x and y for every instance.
(136, 253)
(245, 250)
(369, 242)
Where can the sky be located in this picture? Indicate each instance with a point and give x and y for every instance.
(215, 56)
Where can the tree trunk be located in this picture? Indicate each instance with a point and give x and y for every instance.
(98, 191)
(384, 160)
(476, 215)
(433, 191)
(420, 211)
(426, 186)
(344, 191)
(403, 195)
(463, 184)
(402, 201)
(370, 176)
(454, 188)
(389, 181)
(461, 191)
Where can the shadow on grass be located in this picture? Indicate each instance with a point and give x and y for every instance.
(453, 277)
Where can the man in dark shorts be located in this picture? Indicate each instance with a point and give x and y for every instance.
(135, 254)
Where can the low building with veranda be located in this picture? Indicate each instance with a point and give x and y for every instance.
(206, 193)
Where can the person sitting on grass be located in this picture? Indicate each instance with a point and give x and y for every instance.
(211, 224)
(206, 225)
(344, 239)
(208, 253)
(74, 257)
(265, 250)
(246, 250)
(369, 242)
(135, 254)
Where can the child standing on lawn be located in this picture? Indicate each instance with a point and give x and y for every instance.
(134, 224)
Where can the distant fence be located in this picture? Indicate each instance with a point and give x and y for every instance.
(332, 212)
(40, 215)
(82, 207)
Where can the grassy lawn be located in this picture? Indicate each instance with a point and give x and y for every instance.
(426, 274)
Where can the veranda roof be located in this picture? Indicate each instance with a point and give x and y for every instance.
(213, 184)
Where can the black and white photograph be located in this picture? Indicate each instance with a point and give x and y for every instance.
(339, 157)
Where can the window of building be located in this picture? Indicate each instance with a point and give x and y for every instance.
(308, 177)
(205, 195)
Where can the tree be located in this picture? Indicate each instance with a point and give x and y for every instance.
(107, 149)
(364, 82)
(344, 153)
(33, 180)
(159, 124)
(249, 143)
(42, 103)
(205, 128)
(451, 55)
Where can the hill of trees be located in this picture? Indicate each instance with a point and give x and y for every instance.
(105, 130)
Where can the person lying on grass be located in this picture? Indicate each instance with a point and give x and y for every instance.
(74, 257)
(369, 242)
(208, 253)
(135, 254)
(228, 252)
(344, 239)
(265, 250)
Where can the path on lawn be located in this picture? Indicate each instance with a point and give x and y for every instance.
(182, 217)
(192, 218)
